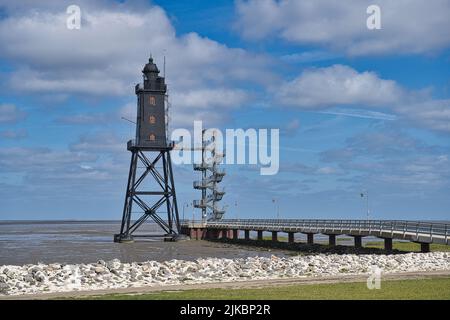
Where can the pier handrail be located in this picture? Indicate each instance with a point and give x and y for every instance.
(322, 225)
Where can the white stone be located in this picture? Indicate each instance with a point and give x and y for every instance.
(41, 278)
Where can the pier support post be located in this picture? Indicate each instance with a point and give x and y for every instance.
(274, 236)
(193, 233)
(212, 234)
(247, 235)
(332, 239)
(235, 234)
(185, 230)
(358, 241)
(424, 247)
(291, 237)
(388, 244)
(203, 234)
(224, 234)
(260, 234)
(310, 238)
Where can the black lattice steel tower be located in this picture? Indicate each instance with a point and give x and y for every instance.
(150, 187)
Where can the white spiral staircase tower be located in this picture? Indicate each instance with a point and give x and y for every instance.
(212, 175)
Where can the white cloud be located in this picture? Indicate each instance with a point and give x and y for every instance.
(113, 44)
(308, 57)
(328, 89)
(413, 26)
(100, 142)
(39, 159)
(105, 57)
(433, 114)
(338, 85)
(82, 82)
(206, 98)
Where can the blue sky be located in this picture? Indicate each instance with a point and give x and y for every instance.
(358, 109)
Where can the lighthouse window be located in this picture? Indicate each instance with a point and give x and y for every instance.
(152, 100)
(152, 137)
(152, 119)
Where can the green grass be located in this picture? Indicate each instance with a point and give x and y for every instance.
(283, 238)
(371, 247)
(279, 238)
(344, 239)
(433, 288)
(407, 246)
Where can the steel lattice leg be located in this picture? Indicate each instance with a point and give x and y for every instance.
(167, 193)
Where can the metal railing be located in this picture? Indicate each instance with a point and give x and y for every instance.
(392, 228)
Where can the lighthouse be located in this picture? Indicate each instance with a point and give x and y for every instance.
(150, 192)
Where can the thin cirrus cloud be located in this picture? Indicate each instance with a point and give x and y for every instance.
(14, 134)
(42, 169)
(104, 142)
(309, 56)
(359, 113)
(380, 157)
(10, 113)
(341, 25)
(85, 119)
